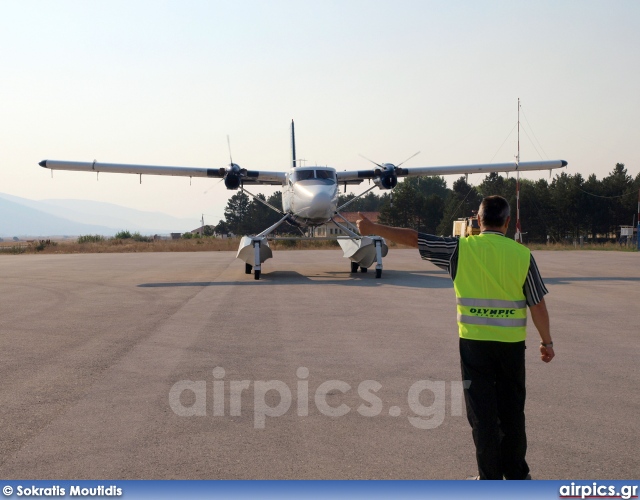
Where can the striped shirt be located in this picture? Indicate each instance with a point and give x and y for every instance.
(443, 252)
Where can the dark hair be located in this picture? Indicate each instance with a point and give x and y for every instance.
(494, 211)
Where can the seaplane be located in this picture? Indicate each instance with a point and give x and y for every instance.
(309, 197)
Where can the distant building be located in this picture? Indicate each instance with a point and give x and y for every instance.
(329, 229)
(628, 234)
(203, 231)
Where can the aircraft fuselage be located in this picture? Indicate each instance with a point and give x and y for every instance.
(310, 194)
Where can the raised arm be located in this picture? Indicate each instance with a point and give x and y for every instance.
(400, 235)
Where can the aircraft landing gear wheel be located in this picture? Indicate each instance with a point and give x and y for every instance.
(354, 267)
(363, 269)
(247, 268)
(256, 274)
(378, 273)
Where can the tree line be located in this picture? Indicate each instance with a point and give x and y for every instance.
(566, 207)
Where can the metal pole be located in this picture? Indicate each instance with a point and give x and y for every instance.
(518, 235)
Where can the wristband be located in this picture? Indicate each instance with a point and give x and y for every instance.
(550, 344)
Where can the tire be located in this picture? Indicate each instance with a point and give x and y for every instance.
(363, 269)
(354, 267)
(247, 268)
(256, 274)
(378, 273)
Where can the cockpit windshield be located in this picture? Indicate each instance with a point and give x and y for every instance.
(325, 174)
(302, 175)
(320, 176)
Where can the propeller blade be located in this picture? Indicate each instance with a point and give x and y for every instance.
(221, 179)
(416, 154)
(229, 146)
(362, 156)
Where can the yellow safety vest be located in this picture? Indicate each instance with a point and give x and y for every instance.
(491, 272)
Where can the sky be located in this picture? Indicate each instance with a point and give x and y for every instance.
(165, 83)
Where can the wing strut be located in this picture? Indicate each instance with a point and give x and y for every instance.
(354, 199)
(262, 201)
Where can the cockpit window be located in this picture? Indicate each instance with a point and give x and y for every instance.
(325, 174)
(302, 175)
(320, 176)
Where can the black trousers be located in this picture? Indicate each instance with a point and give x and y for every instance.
(495, 401)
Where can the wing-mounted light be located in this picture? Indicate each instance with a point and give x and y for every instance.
(234, 175)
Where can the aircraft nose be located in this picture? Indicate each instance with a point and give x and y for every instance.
(319, 203)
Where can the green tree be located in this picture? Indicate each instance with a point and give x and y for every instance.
(368, 203)
(496, 185)
(222, 228)
(618, 186)
(431, 213)
(275, 200)
(258, 216)
(534, 209)
(236, 213)
(430, 185)
(122, 235)
(634, 198)
(596, 215)
(405, 210)
(566, 197)
(463, 201)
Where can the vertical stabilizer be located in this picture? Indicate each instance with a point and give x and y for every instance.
(293, 145)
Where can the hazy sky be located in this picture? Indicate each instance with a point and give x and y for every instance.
(164, 82)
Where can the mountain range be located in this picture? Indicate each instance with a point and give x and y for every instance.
(39, 218)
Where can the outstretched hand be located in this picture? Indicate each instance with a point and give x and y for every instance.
(400, 235)
(365, 226)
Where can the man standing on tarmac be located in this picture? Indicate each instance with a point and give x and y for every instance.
(495, 279)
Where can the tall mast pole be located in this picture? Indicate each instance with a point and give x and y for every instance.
(518, 235)
(638, 230)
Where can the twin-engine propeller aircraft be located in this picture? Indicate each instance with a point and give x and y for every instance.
(309, 197)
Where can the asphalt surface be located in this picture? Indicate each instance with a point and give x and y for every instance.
(96, 352)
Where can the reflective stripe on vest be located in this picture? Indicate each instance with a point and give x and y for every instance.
(491, 272)
(517, 304)
(479, 320)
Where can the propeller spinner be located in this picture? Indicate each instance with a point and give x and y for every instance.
(387, 173)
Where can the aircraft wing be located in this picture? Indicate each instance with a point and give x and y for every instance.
(357, 176)
(247, 176)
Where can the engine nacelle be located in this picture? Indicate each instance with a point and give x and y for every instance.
(234, 176)
(232, 180)
(386, 180)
